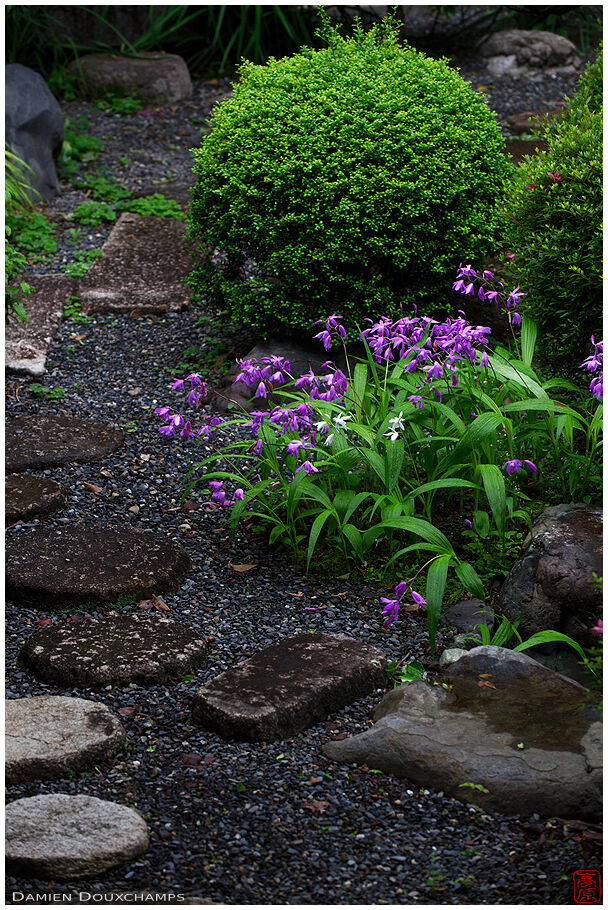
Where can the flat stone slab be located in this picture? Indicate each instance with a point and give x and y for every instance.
(155, 78)
(71, 837)
(114, 650)
(48, 735)
(511, 736)
(97, 563)
(145, 262)
(52, 440)
(26, 344)
(289, 686)
(27, 494)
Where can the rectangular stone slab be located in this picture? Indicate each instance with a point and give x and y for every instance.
(289, 686)
(145, 261)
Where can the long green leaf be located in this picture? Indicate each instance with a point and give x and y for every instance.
(527, 336)
(548, 636)
(420, 528)
(470, 579)
(393, 463)
(494, 485)
(317, 527)
(435, 587)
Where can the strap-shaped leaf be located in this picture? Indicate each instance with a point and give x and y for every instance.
(317, 527)
(420, 528)
(470, 579)
(435, 587)
(494, 485)
(393, 463)
(527, 337)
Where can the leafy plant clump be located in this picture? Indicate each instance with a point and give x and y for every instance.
(344, 179)
(368, 459)
(119, 104)
(155, 204)
(93, 213)
(17, 193)
(553, 214)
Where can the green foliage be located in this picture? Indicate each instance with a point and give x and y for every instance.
(84, 260)
(399, 674)
(349, 177)
(119, 104)
(17, 196)
(43, 391)
(78, 146)
(15, 291)
(103, 188)
(93, 213)
(33, 233)
(156, 204)
(72, 309)
(553, 215)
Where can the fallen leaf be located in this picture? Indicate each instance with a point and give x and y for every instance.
(314, 780)
(106, 473)
(78, 337)
(192, 759)
(486, 675)
(43, 622)
(311, 609)
(128, 709)
(134, 509)
(318, 805)
(291, 594)
(190, 505)
(92, 488)
(159, 603)
(483, 682)
(243, 567)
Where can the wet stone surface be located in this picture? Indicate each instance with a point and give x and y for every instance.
(63, 837)
(49, 735)
(117, 649)
(289, 686)
(27, 494)
(92, 563)
(49, 440)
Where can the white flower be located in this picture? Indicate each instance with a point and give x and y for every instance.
(340, 420)
(395, 424)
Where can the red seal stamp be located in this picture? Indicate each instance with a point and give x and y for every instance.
(587, 886)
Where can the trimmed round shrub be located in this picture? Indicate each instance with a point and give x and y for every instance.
(553, 218)
(350, 179)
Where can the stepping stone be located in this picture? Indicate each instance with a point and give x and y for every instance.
(26, 344)
(52, 440)
(145, 262)
(114, 650)
(92, 563)
(178, 190)
(49, 735)
(26, 494)
(155, 78)
(511, 736)
(71, 837)
(289, 686)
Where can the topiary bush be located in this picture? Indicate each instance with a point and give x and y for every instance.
(553, 217)
(348, 179)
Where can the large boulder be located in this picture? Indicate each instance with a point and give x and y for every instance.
(551, 586)
(34, 126)
(514, 52)
(153, 77)
(507, 734)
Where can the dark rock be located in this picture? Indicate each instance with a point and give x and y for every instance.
(289, 686)
(95, 563)
(468, 615)
(511, 736)
(154, 77)
(49, 735)
(301, 360)
(145, 261)
(528, 121)
(50, 440)
(551, 586)
(517, 149)
(71, 837)
(26, 345)
(114, 650)
(26, 494)
(34, 126)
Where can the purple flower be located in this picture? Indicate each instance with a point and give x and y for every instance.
(417, 401)
(418, 598)
(515, 465)
(595, 364)
(391, 605)
(186, 430)
(468, 523)
(598, 628)
(308, 467)
(162, 412)
(178, 384)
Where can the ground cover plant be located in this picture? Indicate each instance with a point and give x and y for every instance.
(346, 179)
(369, 458)
(17, 200)
(553, 224)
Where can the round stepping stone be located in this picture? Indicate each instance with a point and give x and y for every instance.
(131, 647)
(71, 837)
(49, 735)
(50, 440)
(26, 494)
(98, 563)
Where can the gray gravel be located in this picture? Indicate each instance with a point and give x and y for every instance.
(244, 823)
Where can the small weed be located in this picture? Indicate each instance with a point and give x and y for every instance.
(102, 188)
(433, 878)
(119, 104)
(124, 160)
(156, 204)
(78, 146)
(72, 310)
(93, 213)
(472, 786)
(33, 233)
(399, 674)
(44, 391)
(466, 879)
(240, 788)
(151, 749)
(74, 234)
(130, 427)
(84, 259)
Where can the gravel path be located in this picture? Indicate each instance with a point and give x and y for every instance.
(240, 822)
